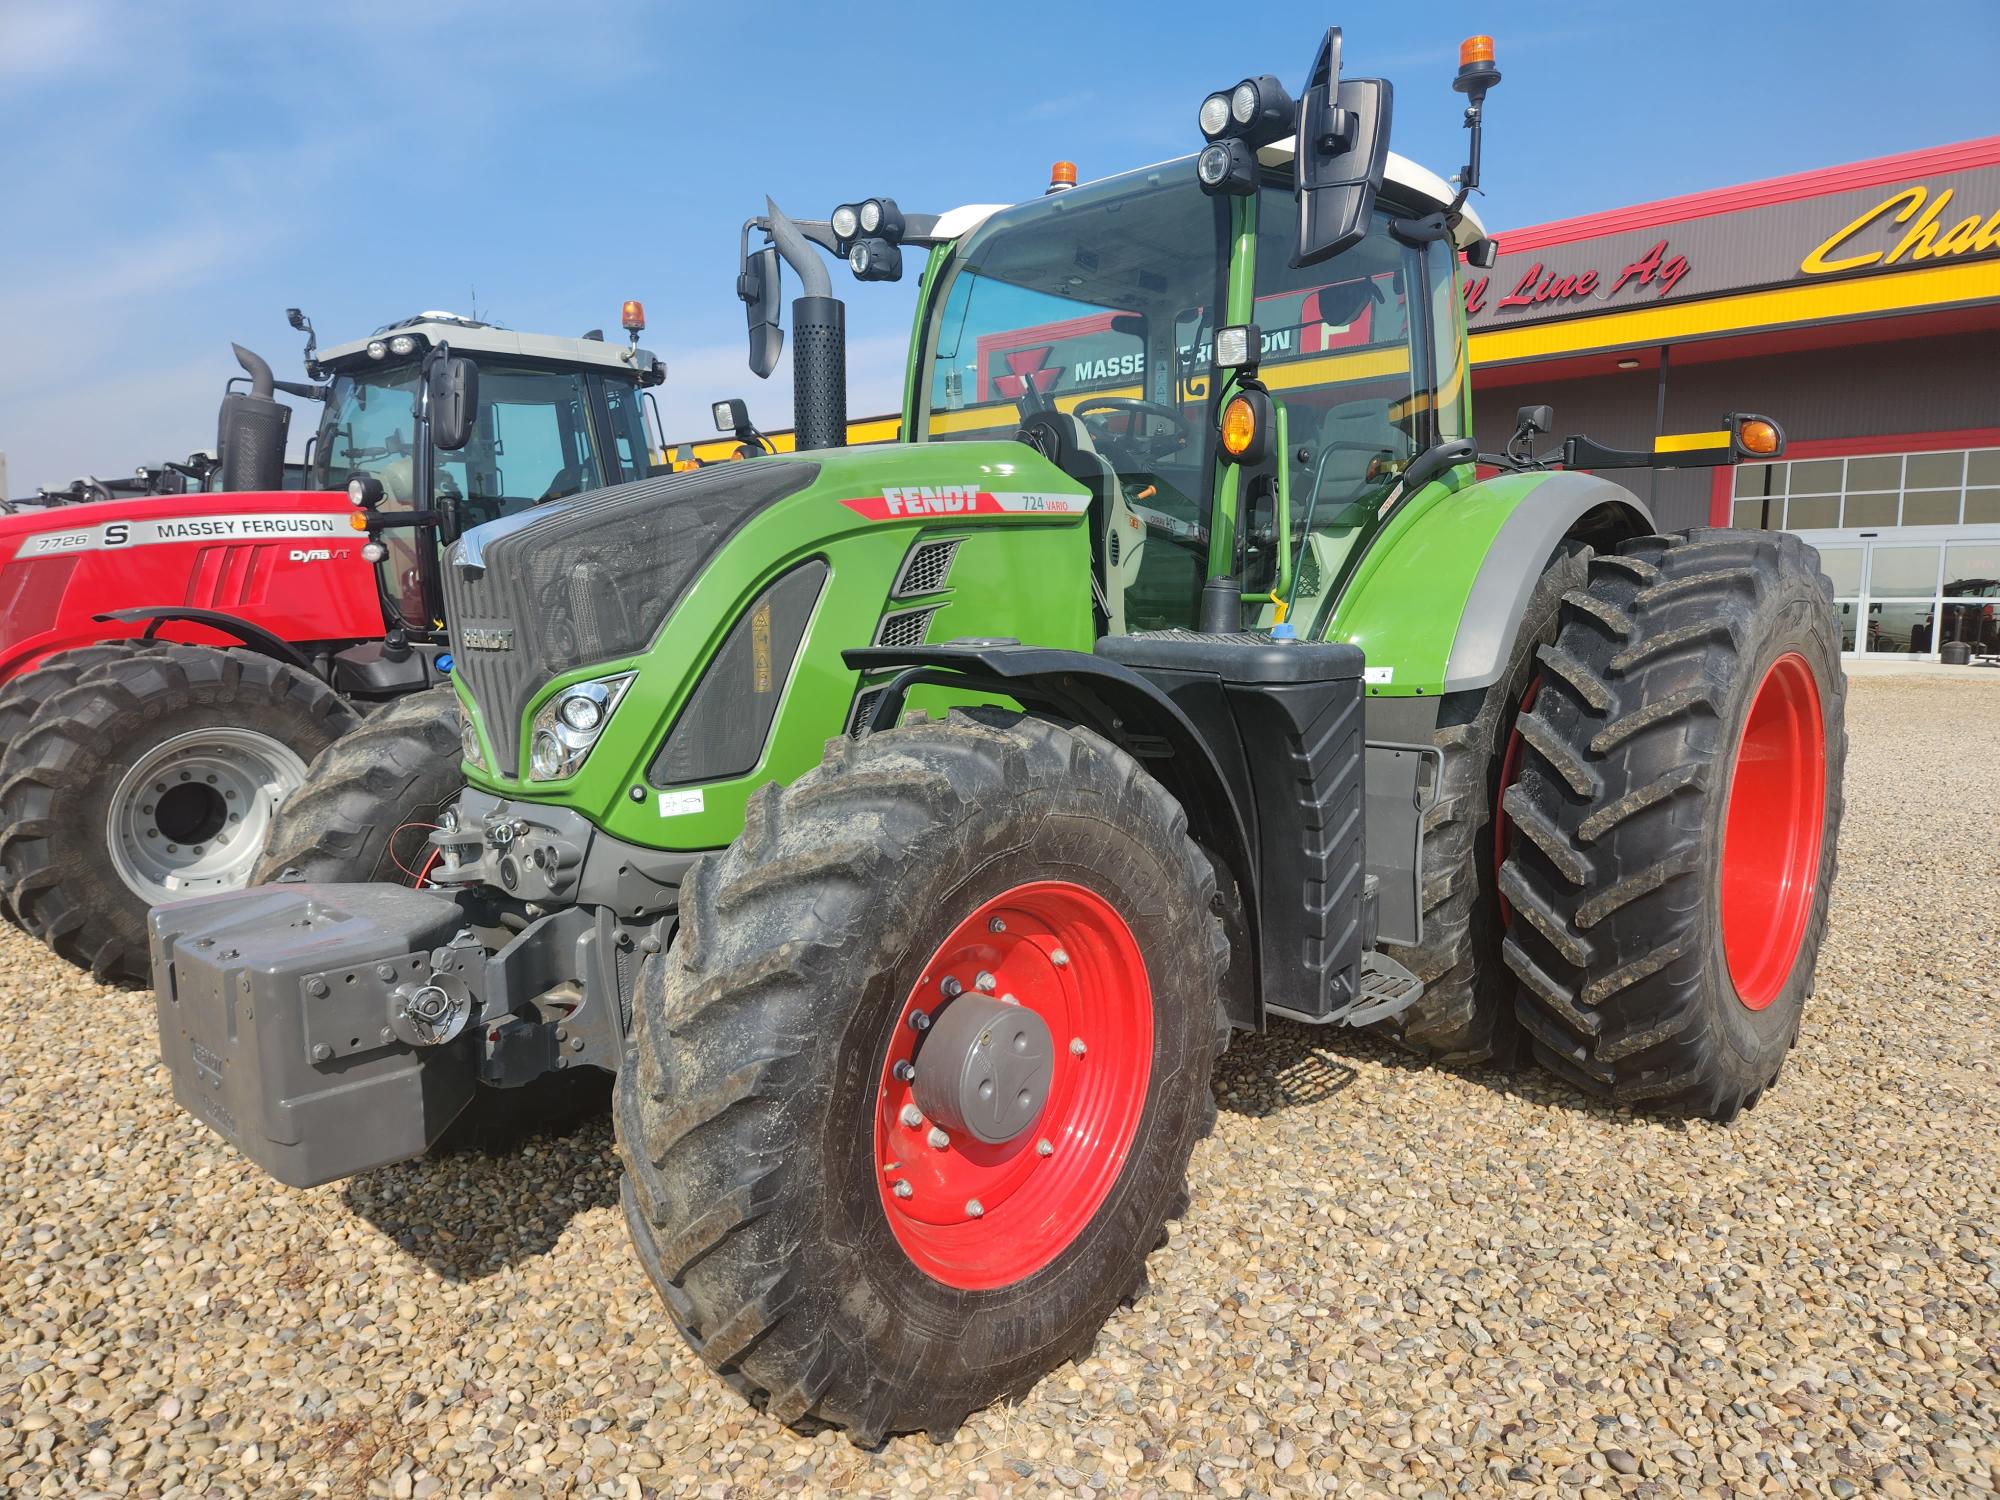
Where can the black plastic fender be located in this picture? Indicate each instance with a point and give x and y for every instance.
(1127, 709)
(255, 637)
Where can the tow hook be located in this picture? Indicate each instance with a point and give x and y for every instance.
(430, 1014)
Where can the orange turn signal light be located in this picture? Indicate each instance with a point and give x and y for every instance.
(1758, 436)
(1239, 427)
(1475, 49)
(358, 519)
(632, 317)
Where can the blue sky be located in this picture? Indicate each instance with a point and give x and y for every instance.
(174, 175)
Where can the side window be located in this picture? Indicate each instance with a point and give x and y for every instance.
(1345, 353)
(1447, 372)
(628, 429)
(535, 444)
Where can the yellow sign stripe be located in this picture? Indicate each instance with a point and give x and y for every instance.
(1905, 291)
(1688, 442)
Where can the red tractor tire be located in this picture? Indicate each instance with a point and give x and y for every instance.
(827, 1235)
(1675, 819)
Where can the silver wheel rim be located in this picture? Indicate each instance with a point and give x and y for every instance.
(192, 815)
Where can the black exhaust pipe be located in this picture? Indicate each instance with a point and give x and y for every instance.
(251, 430)
(819, 342)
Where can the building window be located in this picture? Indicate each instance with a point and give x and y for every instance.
(1950, 488)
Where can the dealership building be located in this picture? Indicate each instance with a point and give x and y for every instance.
(1858, 305)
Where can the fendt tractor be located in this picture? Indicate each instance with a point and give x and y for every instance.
(1256, 701)
(170, 665)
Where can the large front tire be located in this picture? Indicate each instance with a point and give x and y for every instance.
(368, 801)
(760, 1112)
(1675, 820)
(151, 779)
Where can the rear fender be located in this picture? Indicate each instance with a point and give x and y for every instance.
(1438, 601)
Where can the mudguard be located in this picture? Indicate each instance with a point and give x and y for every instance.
(1438, 600)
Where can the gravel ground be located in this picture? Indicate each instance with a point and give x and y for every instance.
(1392, 1281)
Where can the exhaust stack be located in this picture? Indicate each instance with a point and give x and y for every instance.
(819, 342)
(251, 430)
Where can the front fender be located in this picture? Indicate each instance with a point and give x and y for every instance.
(1437, 601)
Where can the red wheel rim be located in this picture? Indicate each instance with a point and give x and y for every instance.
(1510, 770)
(978, 1215)
(1772, 832)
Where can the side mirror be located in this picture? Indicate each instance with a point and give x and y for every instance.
(454, 402)
(1342, 152)
(1530, 421)
(759, 285)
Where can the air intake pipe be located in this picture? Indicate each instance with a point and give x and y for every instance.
(250, 433)
(819, 342)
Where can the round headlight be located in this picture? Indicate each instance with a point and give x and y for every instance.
(871, 216)
(357, 491)
(581, 713)
(468, 742)
(1243, 103)
(1214, 115)
(402, 343)
(857, 260)
(1213, 164)
(545, 755)
(373, 552)
(377, 349)
(845, 221)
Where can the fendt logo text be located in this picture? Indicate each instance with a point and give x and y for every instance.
(928, 500)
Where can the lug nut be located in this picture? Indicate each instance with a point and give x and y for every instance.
(986, 984)
(938, 1138)
(1045, 1147)
(1076, 1047)
(974, 1208)
(996, 925)
(905, 1071)
(912, 1116)
(902, 1190)
(1060, 958)
(919, 1021)
(950, 988)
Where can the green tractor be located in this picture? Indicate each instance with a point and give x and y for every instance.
(908, 829)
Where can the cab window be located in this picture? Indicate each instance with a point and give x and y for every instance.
(1349, 352)
(1085, 321)
(622, 403)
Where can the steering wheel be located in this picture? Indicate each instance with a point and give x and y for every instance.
(1132, 404)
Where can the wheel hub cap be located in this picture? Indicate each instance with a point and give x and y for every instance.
(1012, 1084)
(192, 813)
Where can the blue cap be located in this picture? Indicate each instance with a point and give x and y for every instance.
(444, 661)
(1284, 632)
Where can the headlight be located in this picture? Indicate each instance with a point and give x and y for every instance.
(871, 216)
(377, 349)
(566, 728)
(846, 219)
(1214, 117)
(468, 739)
(402, 343)
(1242, 106)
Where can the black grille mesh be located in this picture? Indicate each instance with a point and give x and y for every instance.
(905, 629)
(925, 569)
(592, 578)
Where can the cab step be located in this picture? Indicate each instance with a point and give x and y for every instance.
(1387, 989)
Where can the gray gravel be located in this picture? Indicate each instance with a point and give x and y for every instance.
(1392, 1282)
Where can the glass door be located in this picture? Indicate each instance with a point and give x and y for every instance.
(1901, 597)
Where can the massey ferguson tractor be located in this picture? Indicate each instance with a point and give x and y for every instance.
(170, 665)
(910, 827)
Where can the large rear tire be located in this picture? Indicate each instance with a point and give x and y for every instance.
(368, 801)
(762, 1107)
(1466, 1014)
(1675, 820)
(150, 779)
(24, 694)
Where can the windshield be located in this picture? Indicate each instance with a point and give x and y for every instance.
(533, 441)
(1088, 313)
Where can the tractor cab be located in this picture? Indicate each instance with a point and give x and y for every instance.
(1085, 322)
(554, 417)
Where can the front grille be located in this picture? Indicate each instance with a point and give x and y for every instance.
(925, 570)
(905, 628)
(589, 579)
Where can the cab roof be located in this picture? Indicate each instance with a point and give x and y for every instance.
(470, 336)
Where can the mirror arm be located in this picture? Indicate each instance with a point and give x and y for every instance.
(795, 245)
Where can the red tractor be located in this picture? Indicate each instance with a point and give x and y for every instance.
(170, 664)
